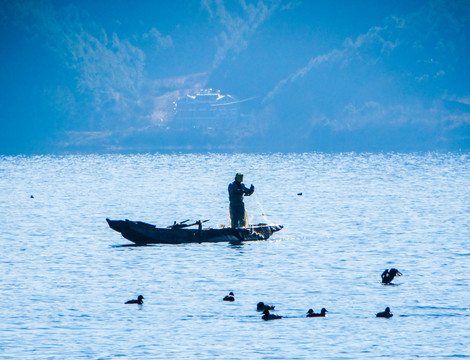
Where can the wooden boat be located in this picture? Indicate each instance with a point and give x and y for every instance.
(142, 233)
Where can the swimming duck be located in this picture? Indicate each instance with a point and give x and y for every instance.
(311, 313)
(261, 306)
(385, 314)
(267, 316)
(230, 297)
(140, 300)
(388, 275)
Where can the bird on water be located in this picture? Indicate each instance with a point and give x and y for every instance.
(261, 306)
(388, 275)
(267, 316)
(385, 314)
(229, 297)
(311, 313)
(139, 300)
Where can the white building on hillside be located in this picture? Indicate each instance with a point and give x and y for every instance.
(207, 110)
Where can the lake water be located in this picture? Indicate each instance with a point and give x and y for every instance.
(65, 275)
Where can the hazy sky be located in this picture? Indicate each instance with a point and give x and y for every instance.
(354, 70)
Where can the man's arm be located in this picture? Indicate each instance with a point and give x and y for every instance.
(247, 191)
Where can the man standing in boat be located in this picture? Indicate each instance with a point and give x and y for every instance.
(236, 191)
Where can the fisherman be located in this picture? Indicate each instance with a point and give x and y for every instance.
(236, 191)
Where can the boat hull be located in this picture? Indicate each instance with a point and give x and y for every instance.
(142, 233)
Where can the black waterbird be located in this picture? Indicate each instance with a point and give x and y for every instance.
(385, 314)
(267, 316)
(261, 306)
(311, 313)
(140, 300)
(229, 297)
(388, 275)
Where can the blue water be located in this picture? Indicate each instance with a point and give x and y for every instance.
(65, 274)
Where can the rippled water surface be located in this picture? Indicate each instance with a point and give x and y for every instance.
(65, 275)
